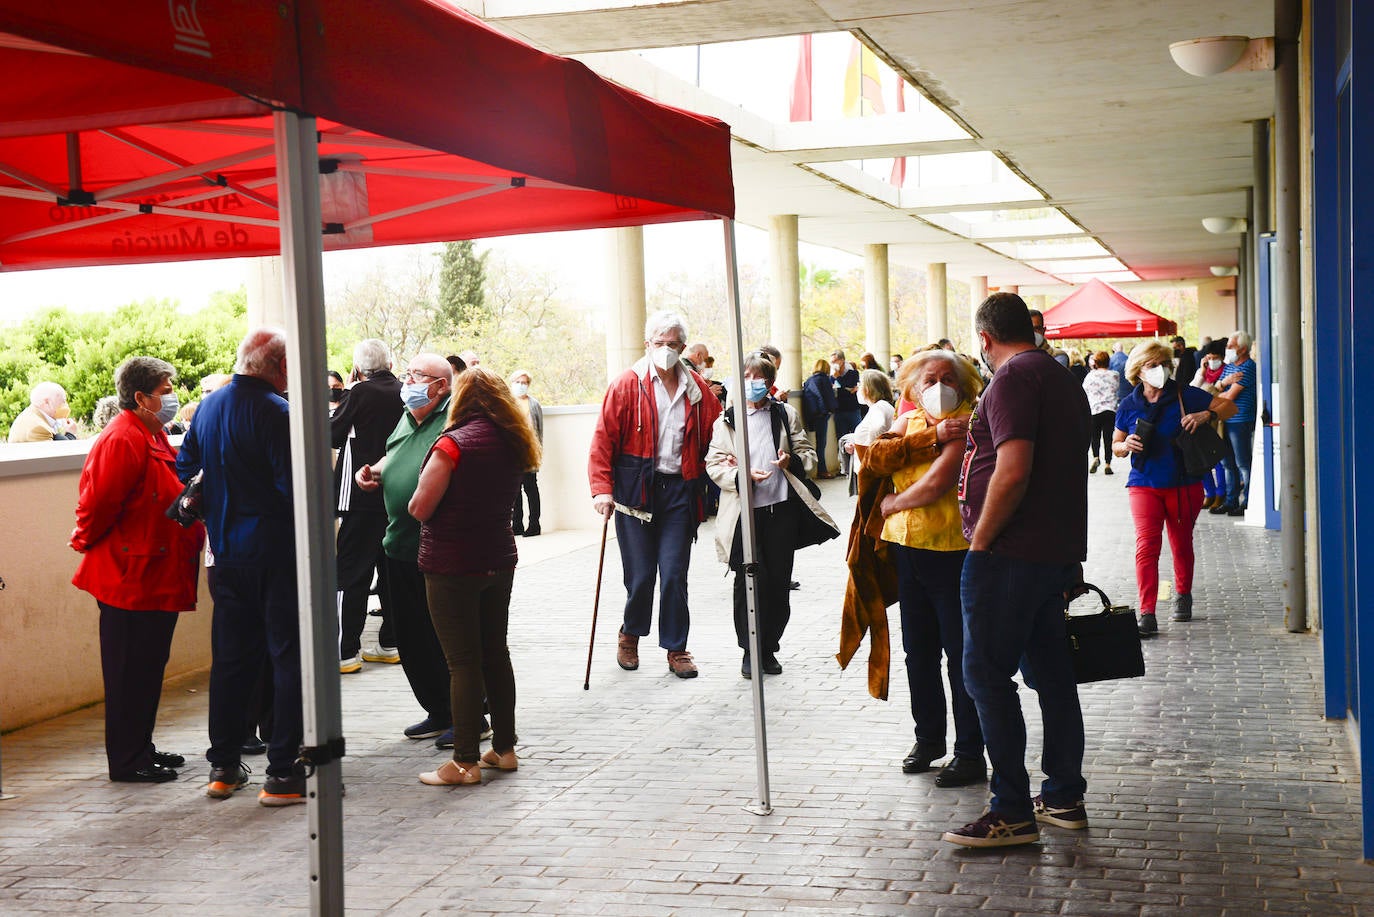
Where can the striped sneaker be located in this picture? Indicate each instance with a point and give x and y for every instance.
(992, 830)
(1074, 816)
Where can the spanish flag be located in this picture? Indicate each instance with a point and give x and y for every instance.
(863, 93)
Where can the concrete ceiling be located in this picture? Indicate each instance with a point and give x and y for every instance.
(1080, 98)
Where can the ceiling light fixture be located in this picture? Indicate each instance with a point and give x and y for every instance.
(1221, 225)
(1223, 54)
(1222, 271)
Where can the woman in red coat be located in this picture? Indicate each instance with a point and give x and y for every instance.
(140, 566)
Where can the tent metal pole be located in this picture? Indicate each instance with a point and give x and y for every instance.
(298, 186)
(763, 803)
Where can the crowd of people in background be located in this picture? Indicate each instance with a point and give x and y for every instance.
(969, 478)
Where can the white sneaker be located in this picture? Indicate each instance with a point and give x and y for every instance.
(350, 665)
(379, 653)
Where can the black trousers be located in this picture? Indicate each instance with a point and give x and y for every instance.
(134, 646)
(529, 485)
(256, 619)
(422, 658)
(775, 538)
(359, 546)
(1104, 426)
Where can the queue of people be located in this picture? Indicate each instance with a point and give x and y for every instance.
(971, 515)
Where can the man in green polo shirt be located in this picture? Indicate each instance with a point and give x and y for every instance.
(425, 389)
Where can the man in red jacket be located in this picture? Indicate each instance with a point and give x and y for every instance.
(647, 456)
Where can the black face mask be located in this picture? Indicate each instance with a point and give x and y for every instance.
(336, 395)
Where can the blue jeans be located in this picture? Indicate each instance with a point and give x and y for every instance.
(663, 549)
(932, 626)
(1014, 616)
(1241, 436)
(820, 433)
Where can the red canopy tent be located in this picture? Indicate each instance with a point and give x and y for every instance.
(1096, 310)
(157, 130)
(431, 126)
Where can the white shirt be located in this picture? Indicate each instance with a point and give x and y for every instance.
(762, 455)
(672, 422)
(875, 423)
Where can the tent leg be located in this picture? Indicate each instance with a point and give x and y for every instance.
(763, 803)
(303, 279)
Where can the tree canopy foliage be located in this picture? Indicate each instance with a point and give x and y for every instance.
(80, 351)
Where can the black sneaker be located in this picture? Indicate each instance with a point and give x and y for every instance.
(992, 830)
(1149, 626)
(282, 791)
(1220, 509)
(746, 670)
(1074, 816)
(771, 666)
(427, 728)
(225, 780)
(1183, 607)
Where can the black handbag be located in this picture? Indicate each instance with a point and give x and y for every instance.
(186, 510)
(1201, 449)
(1105, 644)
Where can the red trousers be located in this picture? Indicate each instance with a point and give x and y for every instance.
(1176, 508)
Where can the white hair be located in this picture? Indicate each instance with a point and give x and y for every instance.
(1243, 340)
(371, 355)
(262, 348)
(47, 393)
(664, 321)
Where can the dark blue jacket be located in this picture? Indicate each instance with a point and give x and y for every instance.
(241, 438)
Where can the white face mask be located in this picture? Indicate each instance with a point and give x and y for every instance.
(520, 389)
(939, 400)
(1230, 355)
(1039, 339)
(665, 358)
(1155, 375)
(707, 372)
(1213, 363)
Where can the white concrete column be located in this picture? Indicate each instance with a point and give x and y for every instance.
(266, 301)
(625, 318)
(977, 292)
(784, 311)
(877, 304)
(937, 302)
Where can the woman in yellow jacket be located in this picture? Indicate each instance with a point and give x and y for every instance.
(921, 521)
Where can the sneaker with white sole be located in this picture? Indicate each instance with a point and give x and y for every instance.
(350, 665)
(992, 830)
(1074, 816)
(379, 653)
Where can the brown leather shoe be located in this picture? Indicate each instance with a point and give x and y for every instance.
(627, 653)
(680, 664)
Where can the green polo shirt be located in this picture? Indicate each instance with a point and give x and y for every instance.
(406, 449)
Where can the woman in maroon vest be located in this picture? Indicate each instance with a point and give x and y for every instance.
(467, 553)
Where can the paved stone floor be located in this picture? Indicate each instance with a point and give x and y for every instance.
(1215, 787)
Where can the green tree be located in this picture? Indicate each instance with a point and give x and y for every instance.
(462, 287)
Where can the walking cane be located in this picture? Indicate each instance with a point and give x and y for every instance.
(596, 602)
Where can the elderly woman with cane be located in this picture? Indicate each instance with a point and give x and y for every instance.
(467, 553)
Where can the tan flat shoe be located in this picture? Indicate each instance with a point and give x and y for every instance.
(504, 761)
(451, 773)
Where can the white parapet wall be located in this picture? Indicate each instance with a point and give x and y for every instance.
(50, 630)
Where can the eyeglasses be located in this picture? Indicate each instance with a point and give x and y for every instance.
(412, 375)
(675, 345)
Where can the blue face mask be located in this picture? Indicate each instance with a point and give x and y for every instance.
(755, 390)
(415, 395)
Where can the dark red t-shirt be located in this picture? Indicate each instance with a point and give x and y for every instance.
(1032, 397)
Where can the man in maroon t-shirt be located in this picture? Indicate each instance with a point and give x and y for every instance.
(1023, 493)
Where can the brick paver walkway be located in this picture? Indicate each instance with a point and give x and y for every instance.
(1215, 787)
